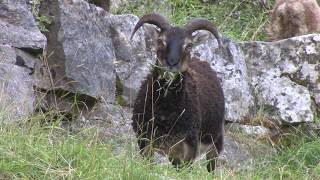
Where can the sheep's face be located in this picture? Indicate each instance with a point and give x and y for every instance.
(173, 51)
(175, 43)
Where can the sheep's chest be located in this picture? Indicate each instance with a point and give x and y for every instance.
(172, 121)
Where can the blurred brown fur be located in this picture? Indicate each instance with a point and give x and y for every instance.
(291, 18)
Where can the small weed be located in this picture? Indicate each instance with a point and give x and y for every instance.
(41, 20)
(316, 119)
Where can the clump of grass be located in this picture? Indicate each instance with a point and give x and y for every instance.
(300, 160)
(119, 92)
(316, 119)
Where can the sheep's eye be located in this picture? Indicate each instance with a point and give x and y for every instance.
(189, 46)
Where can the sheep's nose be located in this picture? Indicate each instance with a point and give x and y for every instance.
(172, 62)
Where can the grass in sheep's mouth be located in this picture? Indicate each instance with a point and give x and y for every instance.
(169, 76)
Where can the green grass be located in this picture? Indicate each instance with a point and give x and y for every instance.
(300, 160)
(41, 20)
(34, 152)
(52, 153)
(241, 20)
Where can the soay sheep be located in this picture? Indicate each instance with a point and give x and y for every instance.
(291, 18)
(179, 110)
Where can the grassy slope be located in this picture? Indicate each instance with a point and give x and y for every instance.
(51, 153)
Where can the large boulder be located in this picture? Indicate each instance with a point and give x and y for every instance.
(285, 76)
(20, 73)
(279, 78)
(80, 48)
(133, 58)
(228, 61)
(88, 47)
(17, 96)
(18, 27)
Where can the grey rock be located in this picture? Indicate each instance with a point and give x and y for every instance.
(256, 132)
(7, 54)
(285, 76)
(18, 27)
(113, 124)
(17, 96)
(133, 58)
(230, 65)
(81, 48)
(104, 4)
(33, 66)
(90, 46)
(241, 152)
(244, 144)
(290, 102)
(22, 74)
(118, 121)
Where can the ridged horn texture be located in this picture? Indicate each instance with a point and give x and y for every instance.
(153, 18)
(203, 24)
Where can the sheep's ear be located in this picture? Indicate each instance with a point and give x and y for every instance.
(199, 37)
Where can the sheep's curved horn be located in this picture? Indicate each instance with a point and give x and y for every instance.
(202, 24)
(153, 18)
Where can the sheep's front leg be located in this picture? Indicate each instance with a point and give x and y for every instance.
(211, 157)
(213, 153)
(184, 153)
(146, 149)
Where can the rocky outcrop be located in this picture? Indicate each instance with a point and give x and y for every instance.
(285, 76)
(19, 71)
(89, 46)
(80, 47)
(133, 58)
(17, 99)
(230, 65)
(16, 96)
(17, 26)
(281, 78)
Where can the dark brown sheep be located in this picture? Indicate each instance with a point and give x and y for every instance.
(291, 18)
(183, 117)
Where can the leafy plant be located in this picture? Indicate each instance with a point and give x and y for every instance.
(41, 20)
